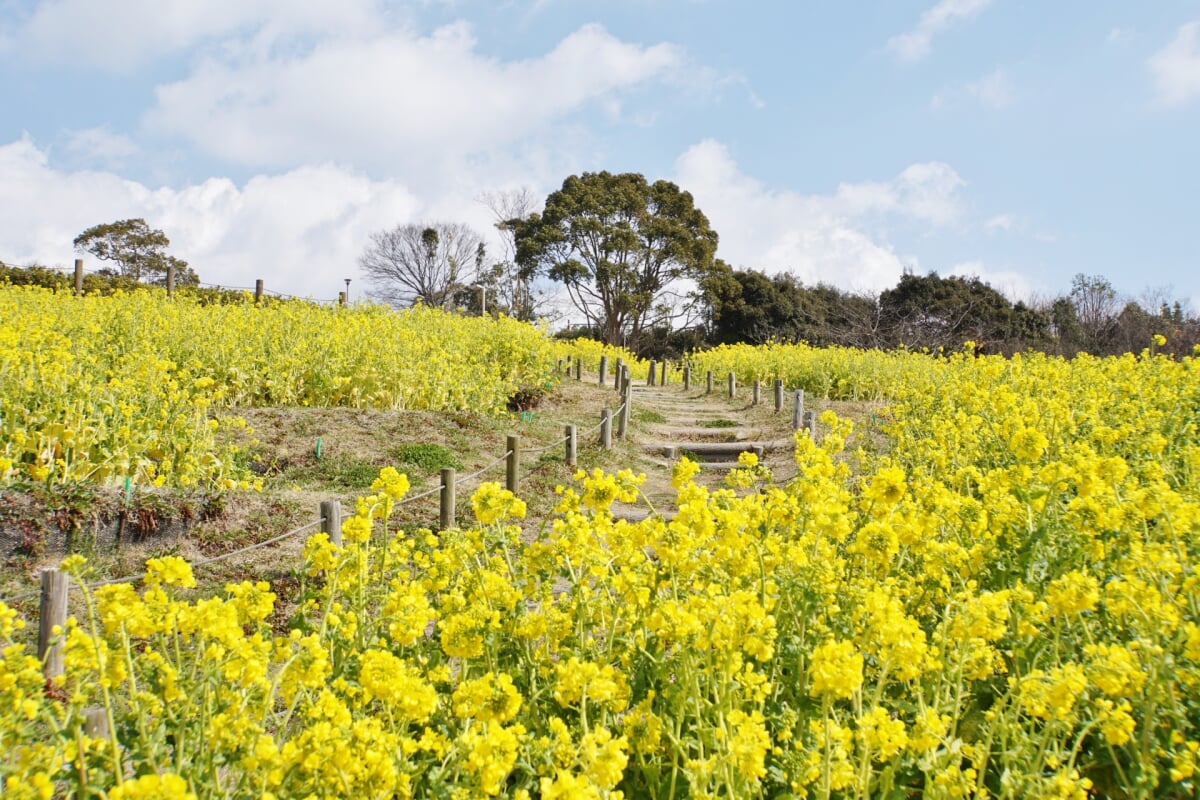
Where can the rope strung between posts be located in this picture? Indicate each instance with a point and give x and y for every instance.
(550, 446)
(479, 472)
(194, 564)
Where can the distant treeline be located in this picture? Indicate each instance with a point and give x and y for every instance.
(926, 311)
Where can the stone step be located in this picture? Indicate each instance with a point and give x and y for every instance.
(730, 449)
(700, 433)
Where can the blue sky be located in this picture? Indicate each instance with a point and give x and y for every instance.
(844, 142)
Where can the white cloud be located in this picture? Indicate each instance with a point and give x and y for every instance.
(1176, 67)
(815, 237)
(1013, 285)
(395, 100)
(1120, 36)
(100, 145)
(914, 45)
(301, 231)
(923, 191)
(120, 35)
(1000, 222)
(993, 90)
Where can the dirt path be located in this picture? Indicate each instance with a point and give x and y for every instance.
(710, 428)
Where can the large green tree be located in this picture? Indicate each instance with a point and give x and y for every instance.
(932, 311)
(137, 251)
(620, 245)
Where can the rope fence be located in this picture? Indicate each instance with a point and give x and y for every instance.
(259, 289)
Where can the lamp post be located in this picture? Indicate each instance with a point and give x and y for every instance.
(347, 291)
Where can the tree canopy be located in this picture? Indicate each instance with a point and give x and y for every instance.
(137, 250)
(429, 262)
(619, 245)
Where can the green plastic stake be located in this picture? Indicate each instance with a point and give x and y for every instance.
(318, 448)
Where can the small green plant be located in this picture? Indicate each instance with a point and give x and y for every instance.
(648, 415)
(348, 471)
(425, 457)
(718, 423)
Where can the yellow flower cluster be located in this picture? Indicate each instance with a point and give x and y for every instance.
(943, 605)
(100, 389)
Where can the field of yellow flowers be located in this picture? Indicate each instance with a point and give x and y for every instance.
(995, 598)
(100, 389)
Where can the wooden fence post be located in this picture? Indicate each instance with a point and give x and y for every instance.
(331, 520)
(446, 510)
(687, 378)
(579, 369)
(798, 412)
(810, 424)
(778, 395)
(52, 613)
(170, 280)
(623, 417)
(757, 390)
(626, 378)
(650, 374)
(572, 446)
(78, 277)
(709, 381)
(95, 722)
(258, 292)
(603, 370)
(732, 386)
(606, 429)
(620, 372)
(512, 472)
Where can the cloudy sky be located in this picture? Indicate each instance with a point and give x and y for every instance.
(843, 142)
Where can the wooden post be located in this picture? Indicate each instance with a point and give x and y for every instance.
(52, 614)
(709, 381)
(579, 369)
(331, 520)
(687, 378)
(170, 280)
(606, 429)
(512, 472)
(810, 424)
(603, 370)
(446, 513)
(798, 412)
(79, 277)
(623, 417)
(732, 386)
(572, 446)
(560, 366)
(650, 374)
(662, 374)
(95, 722)
(258, 292)
(778, 395)
(626, 378)
(757, 390)
(617, 380)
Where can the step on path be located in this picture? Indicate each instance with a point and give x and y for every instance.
(715, 447)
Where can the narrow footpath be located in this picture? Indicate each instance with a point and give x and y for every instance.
(710, 428)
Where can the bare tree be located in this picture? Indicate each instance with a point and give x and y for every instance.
(426, 262)
(511, 290)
